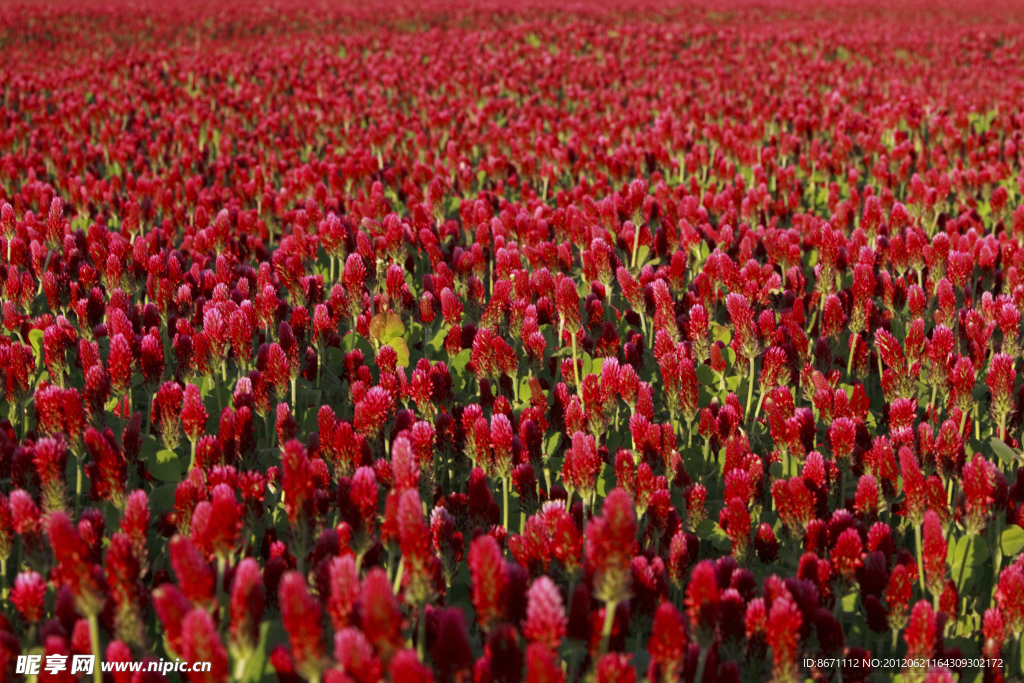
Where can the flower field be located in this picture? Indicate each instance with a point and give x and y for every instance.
(489, 343)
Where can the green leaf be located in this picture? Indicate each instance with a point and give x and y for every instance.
(162, 499)
(402, 349)
(971, 551)
(458, 364)
(705, 375)
(1004, 452)
(719, 539)
(552, 443)
(165, 466)
(149, 448)
(721, 333)
(641, 254)
(386, 326)
(35, 338)
(1012, 540)
(705, 529)
(437, 342)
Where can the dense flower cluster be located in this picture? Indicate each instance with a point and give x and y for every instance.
(446, 343)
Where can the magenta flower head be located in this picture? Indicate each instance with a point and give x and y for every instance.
(72, 554)
(979, 485)
(380, 616)
(301, 614)
(51, 458)
(668, 644)
(1001, 379)
(196, 578)
(414, 541)
(200, 642)
(609, 547)
(193, 413)
(489, 578)
(545, 615)
(567, 301)
(296, 482)
(1009, 597)
(913, 487)
(120, 364)
(702, 603)
(248, 597)
(745, 340)
(920, 633)
(782, 633)
(167, 413)
(28, 594)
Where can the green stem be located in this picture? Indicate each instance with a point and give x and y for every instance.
(636, 244)
(504, 501)
(701, 663)
(94, 641)
(920, 564)
(46, 264)
(222, 563)
(853, 349)
(421, 634)
(606, 628)
(240, 668)
(750, 389)
(78, 483)
(575, 368)
(398, 576)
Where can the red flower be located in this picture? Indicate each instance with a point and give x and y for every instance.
(296, 482)
(28, 594)
(567, 301)
(193, 413)
(913, 487)
(354, 654)
(782, 633)
(246, 606)
(406, 668)
(488, 574)
(615, 667)
(341, 603)
(1009, 597)
(372, 411)
(545, 616)
(120, 364)
(848, 554)
(702, 597)
(667, 644)
(609, 547)
(200, 642)
(920, 633)
(72, 554)
(414, 541)
(195, 577)
(51, 458)
(979, 484)
(541, 665)
(379, 615)
(166, 415)
(301, 614)
(581, 466)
